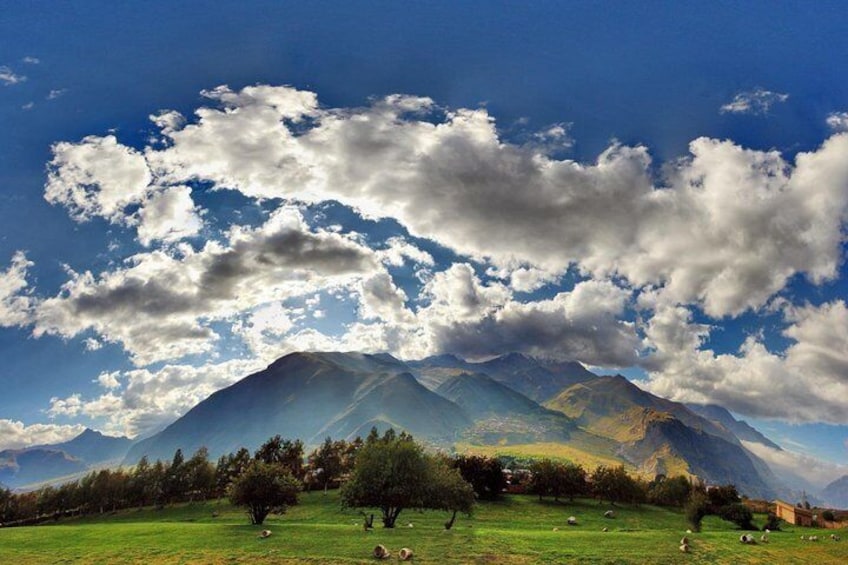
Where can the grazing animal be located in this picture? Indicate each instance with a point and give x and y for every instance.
(409, 525)
(684, 548)
(215, 514)
(605, 529)
(556, 529)
(834, 537)
(803, 538)
(688, 531)
(405, 554)
(609, 514)
(265, 534)
(745, 538)
(764, 538)
(380, 552)
(572, 521)
(813, 538)
(684, 540)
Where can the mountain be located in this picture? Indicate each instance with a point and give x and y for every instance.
(836, 493)
(93, 447)
(501, 414)
(536, 379)
(309, 396)
(661, 436)
(740, 428)
(533, 378)
(20, 467)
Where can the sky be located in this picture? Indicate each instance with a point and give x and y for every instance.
(190, 190)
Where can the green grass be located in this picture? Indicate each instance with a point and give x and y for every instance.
(520, 529)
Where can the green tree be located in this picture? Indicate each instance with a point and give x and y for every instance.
(695, 509)
(450, 491)
(721, 496)
(326, 461)
(739, 514)
(264, 488)
(615, 485)
(484, 473)
(392, 473)
(673, 491)
(286, 452)
(200, 475)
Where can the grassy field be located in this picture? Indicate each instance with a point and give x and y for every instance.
(519, 529)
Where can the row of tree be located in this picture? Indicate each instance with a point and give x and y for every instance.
(389, 472)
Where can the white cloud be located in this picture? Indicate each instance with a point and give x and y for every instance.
(8, 77)
(143, 401)
(28, 106)
(807, 383)
(160, 306)
(838, 121)
(169, 215)
(15, 304)
(56, 93)
(31, 60)
(757, 101)
(15, 434)
(97, 177)
(727, 227)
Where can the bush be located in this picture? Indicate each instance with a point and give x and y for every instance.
(828, 515)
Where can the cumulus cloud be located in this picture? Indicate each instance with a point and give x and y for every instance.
(31, 60)
(757, 102)
(15, 304)
(9, 77)
(806, 383)
(144, 401)
(161, 304)
(14, 434)
(97, 177)
(727, 227)
(169, 215)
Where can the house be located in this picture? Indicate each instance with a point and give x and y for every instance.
(793, 514)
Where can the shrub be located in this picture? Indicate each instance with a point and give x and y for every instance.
(739, 514)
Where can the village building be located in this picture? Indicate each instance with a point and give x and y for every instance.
(793, 514)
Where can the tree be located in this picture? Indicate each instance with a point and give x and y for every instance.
(200, 475)
(739, 514)
(449, 490)
(663, 491)
(695, 509)
(264, 488)
(285, 452)
(392, 473)
(721, 496)
(326, 461)
(484, 473)
(615, 485)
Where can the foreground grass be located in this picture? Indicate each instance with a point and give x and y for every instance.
(519, 529)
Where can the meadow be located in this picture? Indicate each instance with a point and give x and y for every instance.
(519, 529)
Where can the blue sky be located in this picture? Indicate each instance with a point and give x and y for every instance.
(612, 182)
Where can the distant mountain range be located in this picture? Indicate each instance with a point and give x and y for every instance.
(836, 493)
(20, 467)
(512, 400)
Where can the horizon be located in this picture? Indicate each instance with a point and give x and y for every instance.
(658, 191)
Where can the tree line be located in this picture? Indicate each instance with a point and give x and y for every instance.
(389, 472)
